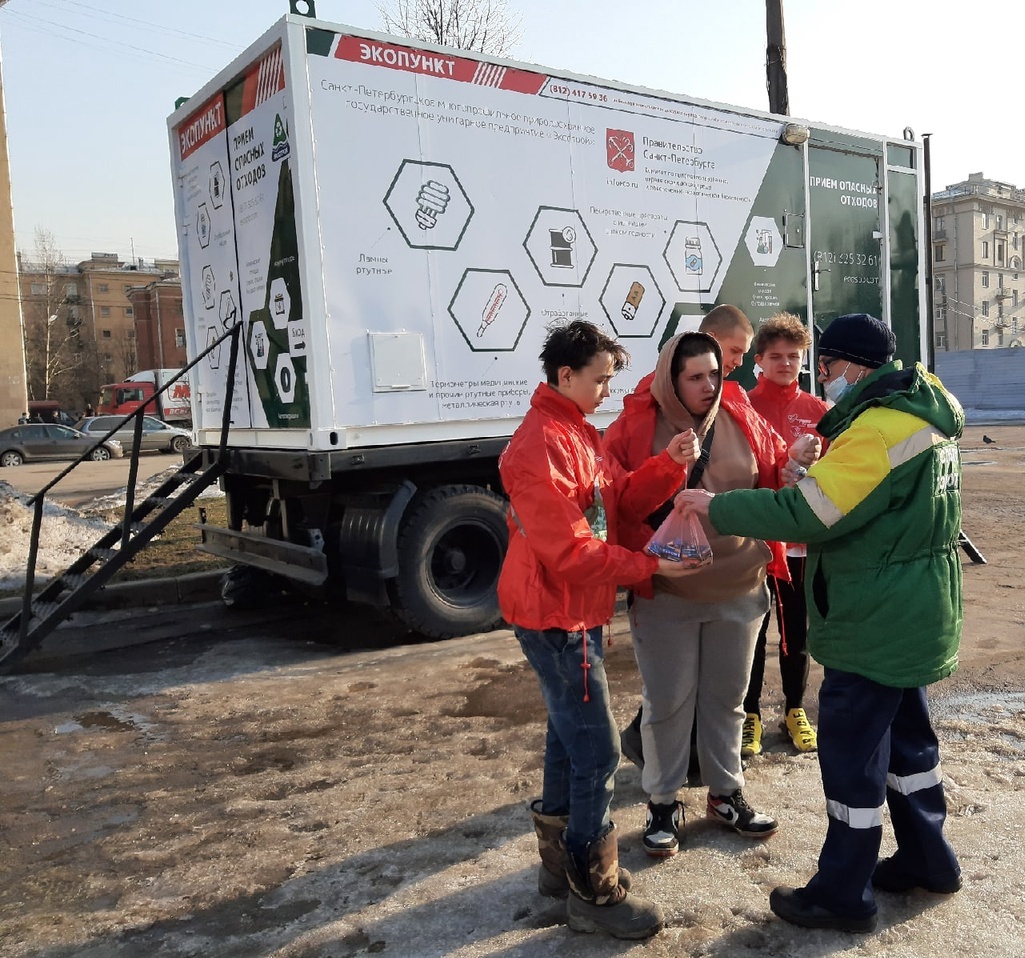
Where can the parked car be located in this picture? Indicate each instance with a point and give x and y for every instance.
(156, 435)
(48, 441)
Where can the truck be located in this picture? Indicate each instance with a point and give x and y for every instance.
(391, 227)
(172, 406)
(49, 410)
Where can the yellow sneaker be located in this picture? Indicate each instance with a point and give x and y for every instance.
(751, 738)
(801, 733)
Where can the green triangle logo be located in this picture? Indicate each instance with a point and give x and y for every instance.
(280, 130)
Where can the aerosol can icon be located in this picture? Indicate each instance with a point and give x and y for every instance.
(692, 256)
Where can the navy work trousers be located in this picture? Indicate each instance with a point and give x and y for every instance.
(876, 746)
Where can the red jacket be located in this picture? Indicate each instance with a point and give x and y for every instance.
(791, 411)
(630, 437)
(558, 573)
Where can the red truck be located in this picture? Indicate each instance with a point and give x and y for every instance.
(174, 405)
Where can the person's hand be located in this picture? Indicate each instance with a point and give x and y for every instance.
(793, 473)
(684, 448)
(806, 450)
(676, 570)
(693, 502)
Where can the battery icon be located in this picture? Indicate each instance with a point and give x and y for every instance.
(633, 301)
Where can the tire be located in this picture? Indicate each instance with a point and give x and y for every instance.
(11, 458)
(451, 545)
(100, 454)
(244, 587)
(179, 444)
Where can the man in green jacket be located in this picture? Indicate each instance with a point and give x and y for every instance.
(881, 513)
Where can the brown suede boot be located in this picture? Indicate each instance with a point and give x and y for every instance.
(551, 875)
(598, 901)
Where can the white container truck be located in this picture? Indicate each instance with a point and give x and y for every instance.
(396, 225)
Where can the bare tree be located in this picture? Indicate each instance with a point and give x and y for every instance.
(51, 322)
(486, 26)
(124, 353)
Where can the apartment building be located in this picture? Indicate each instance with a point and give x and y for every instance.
(13, 394)
(978, 241)
(159, 324)
(80, 322)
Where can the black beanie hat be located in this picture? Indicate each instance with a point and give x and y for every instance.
(858, 338)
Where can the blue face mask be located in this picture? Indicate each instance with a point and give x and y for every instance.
(837, 388)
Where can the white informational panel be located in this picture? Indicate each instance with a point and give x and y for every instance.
(262, 153)
(475, 204)
(209, 266)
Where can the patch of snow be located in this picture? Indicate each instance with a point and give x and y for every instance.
(64, 534)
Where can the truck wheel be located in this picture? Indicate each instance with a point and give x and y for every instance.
(245, 587)
(451, 545)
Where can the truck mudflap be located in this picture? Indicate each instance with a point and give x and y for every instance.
(306, 564)
(368, 546)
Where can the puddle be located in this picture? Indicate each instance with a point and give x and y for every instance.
(109, 720)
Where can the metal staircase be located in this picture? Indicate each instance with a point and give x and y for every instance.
(42, 612)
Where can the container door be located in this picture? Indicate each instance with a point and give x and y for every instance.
(845, 201)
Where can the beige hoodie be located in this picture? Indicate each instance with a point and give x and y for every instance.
(738, 563)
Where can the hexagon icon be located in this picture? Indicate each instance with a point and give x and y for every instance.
(259, 344)
(216, 184)
(692, 256)
(632, 301)
(227, 311)
(280, 303)
(489, 310)
(429, 205)
(214, 356)
(203, 225)
(209, 287)
(284, 378)
(764, 241)
(560, 246)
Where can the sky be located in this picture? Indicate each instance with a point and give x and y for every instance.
(104, 185)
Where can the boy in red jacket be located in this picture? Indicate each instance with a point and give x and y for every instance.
(558, 589)
(780, 346)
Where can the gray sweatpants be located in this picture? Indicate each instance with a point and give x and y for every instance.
(694, 653)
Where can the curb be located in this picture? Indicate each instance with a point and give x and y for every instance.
(179, 590)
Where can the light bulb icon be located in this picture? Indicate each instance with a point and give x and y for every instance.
(431, 201)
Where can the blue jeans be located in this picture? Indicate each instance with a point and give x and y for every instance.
(582, 744)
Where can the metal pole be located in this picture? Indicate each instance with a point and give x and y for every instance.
(776, 58)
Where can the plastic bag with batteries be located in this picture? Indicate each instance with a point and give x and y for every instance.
(680, 538)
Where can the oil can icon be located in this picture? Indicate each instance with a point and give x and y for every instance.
(692, 256)
(562, 244)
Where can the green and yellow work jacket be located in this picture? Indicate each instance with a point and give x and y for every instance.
(881, 514)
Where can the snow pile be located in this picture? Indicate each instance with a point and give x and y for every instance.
(65, 533)
(63, 536)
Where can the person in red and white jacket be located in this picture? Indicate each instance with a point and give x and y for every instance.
(557, 589)
(780, 346)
